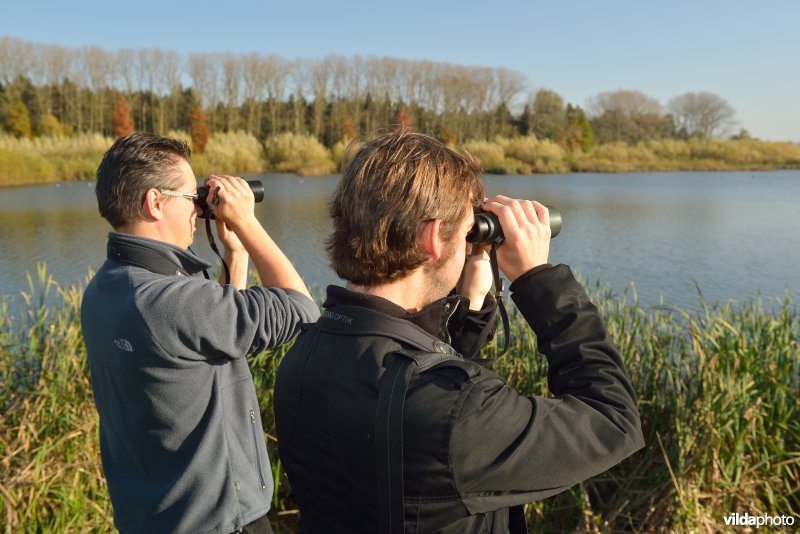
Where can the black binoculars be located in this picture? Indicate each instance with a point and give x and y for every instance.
(487, 229)
(202, 192)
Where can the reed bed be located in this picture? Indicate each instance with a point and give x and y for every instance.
(50, 159)
(718, 392)
(58, 159)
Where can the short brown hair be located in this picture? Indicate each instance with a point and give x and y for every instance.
(133, 165)
(392, 186)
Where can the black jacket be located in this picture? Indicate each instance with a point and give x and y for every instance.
(473, 446)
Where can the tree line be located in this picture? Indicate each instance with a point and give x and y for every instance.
(55, 90)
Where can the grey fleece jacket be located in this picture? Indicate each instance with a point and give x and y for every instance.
(180, 429)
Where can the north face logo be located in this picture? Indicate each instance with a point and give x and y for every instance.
(123, 344)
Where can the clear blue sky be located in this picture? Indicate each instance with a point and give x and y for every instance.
(747, 52)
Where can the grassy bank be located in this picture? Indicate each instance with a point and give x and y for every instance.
(57, 159)
(44, 160)
(717, 391)
(525, 155)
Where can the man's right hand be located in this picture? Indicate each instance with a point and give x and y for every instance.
(236, 207)
(526, 228)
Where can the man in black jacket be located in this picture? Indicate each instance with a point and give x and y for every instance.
(471, 449)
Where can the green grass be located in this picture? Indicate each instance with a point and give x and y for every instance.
(718, 393)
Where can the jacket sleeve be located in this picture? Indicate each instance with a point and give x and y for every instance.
(471, 330)
(201, 320)
(507, 449)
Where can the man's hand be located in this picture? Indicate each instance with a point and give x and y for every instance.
(476, 278)
(235, 256)
(236, 207)
(526, 227)
(229, 239)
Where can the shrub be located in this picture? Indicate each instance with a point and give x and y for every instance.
(301, 154)
(491, 155)
(342, 150)
(233, 153)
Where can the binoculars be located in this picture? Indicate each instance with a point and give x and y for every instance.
(202, 192)
(487, 229)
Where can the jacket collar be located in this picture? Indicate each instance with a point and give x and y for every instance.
(433, 318)
(184, 261)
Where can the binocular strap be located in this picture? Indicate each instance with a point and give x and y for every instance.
(210, 235)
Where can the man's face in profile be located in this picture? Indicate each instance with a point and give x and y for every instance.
(449, 268)
(181, 213)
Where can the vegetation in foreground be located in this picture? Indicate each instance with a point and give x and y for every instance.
(717, 391)
(42, 160)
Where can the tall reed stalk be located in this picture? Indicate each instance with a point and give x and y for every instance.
(718, 392)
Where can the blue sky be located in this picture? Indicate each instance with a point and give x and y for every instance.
(746, 52)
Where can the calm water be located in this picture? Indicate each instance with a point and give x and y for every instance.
(735, 235)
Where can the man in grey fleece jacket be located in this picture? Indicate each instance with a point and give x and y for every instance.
(180, 429)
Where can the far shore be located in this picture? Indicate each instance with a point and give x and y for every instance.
(48, 160)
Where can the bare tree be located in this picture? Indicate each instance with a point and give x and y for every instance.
(231, 80)
(97, 67)
(701, 114)
(169, 86)
(629, 116)
(276, 70)
(347, 94)
(125, 59)
(320, 81)
(510, 85)
(299, 73)
(204, 72)
(16, 57)
(255, 85)
(626, 102)
(56, 61)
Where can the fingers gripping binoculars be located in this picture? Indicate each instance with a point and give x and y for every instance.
(202, 192)
(487, 229)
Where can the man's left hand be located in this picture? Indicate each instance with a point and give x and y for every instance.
(476, 278)
(229, 239)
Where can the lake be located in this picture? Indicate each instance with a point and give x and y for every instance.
(735, 235)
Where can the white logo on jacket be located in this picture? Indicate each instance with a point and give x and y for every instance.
(123, 344)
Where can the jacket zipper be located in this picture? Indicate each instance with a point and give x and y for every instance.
(447, 321)
(255, 448)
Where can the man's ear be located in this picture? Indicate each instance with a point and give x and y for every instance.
(153, 207)
(431, 239)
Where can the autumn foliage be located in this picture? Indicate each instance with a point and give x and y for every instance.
(18, 121)
(401, 119)
(198, 129)
(121, 119)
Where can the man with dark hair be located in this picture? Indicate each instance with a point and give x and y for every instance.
(180, 428)
(386, 420)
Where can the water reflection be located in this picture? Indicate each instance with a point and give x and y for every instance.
(735, 234)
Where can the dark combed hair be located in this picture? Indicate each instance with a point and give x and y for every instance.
(392, 186)
(133, 165)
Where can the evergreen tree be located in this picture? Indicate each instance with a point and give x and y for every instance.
(523, 122)
(579, 129)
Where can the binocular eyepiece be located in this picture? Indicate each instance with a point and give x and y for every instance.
(487, 229)
(202, 192)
